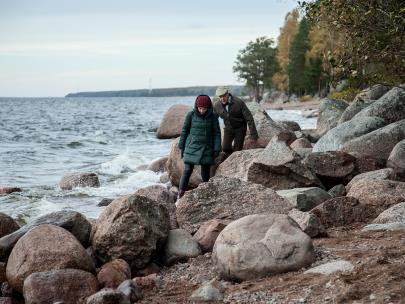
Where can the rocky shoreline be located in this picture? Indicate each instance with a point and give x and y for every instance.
(302, 216)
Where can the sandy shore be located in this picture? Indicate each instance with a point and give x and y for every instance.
(308, 105)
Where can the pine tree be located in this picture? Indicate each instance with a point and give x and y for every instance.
(296, 66)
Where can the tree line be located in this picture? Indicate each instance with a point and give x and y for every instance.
(323, 42)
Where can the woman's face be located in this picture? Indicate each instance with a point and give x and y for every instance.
(202, 110)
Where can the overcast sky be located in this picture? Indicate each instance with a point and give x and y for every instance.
(54, 47)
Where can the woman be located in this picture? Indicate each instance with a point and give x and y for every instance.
(200, 141)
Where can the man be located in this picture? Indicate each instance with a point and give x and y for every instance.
(236, 116)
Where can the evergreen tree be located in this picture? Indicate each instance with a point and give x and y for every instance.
(296, 66)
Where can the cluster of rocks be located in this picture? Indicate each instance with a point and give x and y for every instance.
(256, 216)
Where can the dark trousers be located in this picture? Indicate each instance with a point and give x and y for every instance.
(237, 136)
(188, 170)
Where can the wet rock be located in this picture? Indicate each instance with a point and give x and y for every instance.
(329, 114)
(228, 199)
(105, 202)
(70, 181)
(132, 227)
(377, 195)
(175, 167)
(162, 196)
(113, 273)
(8, 190)
(332, 167)
(335, 138)
(393, 214)
(108, 296)
(308, 222)
(256, 246)
(382, 174)
(390, 107)
(7, 224)
(43, 248)
(69, 286)
(173, 121)
(210, 291)
(208, 233)
(164, 178)
(72, 221)
(180, 246)
(340, 211)
(131, 291)
(338, 190)
(305, 199)
(377, 144)
(332, 267)
(158, 165)
(396, 160)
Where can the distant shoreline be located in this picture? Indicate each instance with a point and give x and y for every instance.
(162, 92)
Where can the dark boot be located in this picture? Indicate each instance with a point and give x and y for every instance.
(180, 194)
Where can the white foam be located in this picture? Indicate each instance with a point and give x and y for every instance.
(122, 162)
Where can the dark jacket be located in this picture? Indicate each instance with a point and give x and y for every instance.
(238, 116)
(200, 138)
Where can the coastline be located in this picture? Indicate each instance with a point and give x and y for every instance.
(307, 105)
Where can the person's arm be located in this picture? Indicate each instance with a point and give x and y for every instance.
(217, 136)
(185, 131)
(250, 121)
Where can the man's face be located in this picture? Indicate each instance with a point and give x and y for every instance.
(224, 98)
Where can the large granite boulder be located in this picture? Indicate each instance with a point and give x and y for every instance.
(382, 174)
(373, 93)
(180, 246)
(73, 221)
(396, 160)
(394, 214)
(305, 199)
(260, 245)
(173, 121)
(390, 107)
(333, 167)
(175, 167)
(277, 167)
(329, 114)
(43, 248)
(227, 198)
(67, 286)
(377, 195)
(71, 181)
(161, 195)
(340, 211)
(132, 228)
(336, 137)
(266, 127)
(377, 144)
(7, 225)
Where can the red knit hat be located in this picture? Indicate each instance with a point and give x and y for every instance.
(203, 101)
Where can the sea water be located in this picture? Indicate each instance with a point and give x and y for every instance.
(42, 139)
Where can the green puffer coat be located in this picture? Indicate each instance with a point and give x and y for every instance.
(200, 138)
